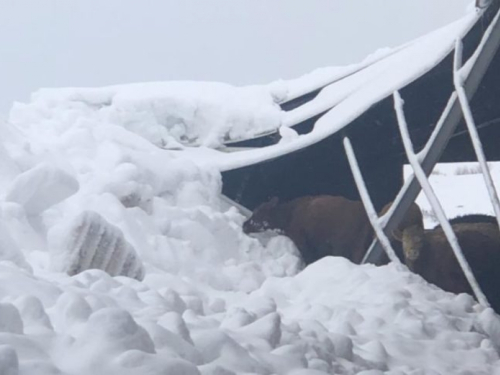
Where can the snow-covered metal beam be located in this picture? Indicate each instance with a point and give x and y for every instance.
(471, 127)
(434, 202)
(367, 202)
(482, 3)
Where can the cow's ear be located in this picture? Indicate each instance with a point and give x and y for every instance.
(274, 201)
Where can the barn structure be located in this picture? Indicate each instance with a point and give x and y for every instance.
(358, 105)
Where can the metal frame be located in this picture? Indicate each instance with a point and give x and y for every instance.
(471, 127)
(450, 118)
(466, 81)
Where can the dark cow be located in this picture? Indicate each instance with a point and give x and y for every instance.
(318, 225)
(472, 218)
(428, 253)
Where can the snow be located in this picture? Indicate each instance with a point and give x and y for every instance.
(212, 300)
(447, 180)
(166, 113)
(327, 75)
(121, 257)
(41, 187)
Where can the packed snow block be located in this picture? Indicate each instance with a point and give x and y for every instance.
(9, 250)
(267, 328)
(9, 362)
(116, 331)
(33, 314)
(8, 168)
(10, 319)
(90, 242)
(41, 187)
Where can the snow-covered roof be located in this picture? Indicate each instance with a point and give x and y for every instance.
(347, 98)
(179, 114)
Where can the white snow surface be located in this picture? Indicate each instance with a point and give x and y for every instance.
(197, 295)
(460, 188)
(212, 300)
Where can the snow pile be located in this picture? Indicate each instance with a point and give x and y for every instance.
(129, 196)
(167, 113)
(79, 192)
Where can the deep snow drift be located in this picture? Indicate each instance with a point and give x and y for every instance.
(206, 298)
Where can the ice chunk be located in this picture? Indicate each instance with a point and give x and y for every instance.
(9, 250)
(343, 346)
(10, 319)
(90, 242)
(108, 333)
(144, 363)
(287, 134)
(267, 328)
(219, 348)
(237, 317)
(41, 187)
(489, 322)
(167, 340)
(23, 232)
(73, 309)
(213, 369)
(173, 300)
(174, 322)
(307, 372)
(33, 312)
(40, 367)
(9, 363)
(8, 168)
(115, 327)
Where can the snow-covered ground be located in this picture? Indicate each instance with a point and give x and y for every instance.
(164, 281)
(461, 190)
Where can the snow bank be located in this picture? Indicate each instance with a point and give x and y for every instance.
(212, 300)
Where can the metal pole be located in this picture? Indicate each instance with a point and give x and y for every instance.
(471, 126)
(367, 202)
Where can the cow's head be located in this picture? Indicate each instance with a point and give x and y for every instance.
(262, 217)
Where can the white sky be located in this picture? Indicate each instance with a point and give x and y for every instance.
(50, 43)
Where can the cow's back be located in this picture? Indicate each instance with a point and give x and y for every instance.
(332, 225)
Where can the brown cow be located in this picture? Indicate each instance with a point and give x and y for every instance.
(428, 253)
(318, 225)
